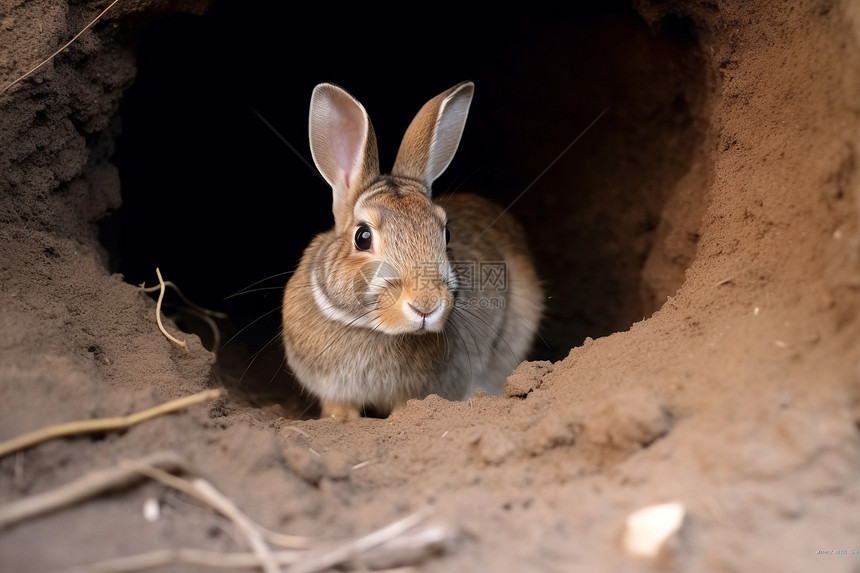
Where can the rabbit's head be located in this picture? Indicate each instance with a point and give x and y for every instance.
(387, 266)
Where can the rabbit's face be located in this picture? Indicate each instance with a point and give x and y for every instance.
(393, 272)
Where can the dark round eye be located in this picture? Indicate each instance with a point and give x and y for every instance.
(447, 236)
(363, 238)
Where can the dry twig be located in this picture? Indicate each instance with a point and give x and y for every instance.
(206, 492)
(408, 549)
(55, 54)
(185, 299)
(204, 314)
(348, 551)
(391, 545)
(165, 557)
(170, 337)
(85, 487)
(102, 424)
(393, 550)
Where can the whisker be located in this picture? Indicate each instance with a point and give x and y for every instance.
(474, 333)
(281, 365)
(241, 290)
(256, 355)
(287, 143)
(308, 408)
(452, 189)
(250, 324)
(343, 332)
(497, 249)
(465, 348)
(532, 325)
(541, 174)
(498, 334)
(239, 293)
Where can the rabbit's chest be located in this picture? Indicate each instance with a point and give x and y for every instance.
(367, 367)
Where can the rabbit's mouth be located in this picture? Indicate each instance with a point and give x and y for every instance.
(428, 313)
(425, 313)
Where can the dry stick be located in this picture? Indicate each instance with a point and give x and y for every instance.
(205, 314)
(164, 557)
(284, 540)
(413, 549)
(102, 424)
(85, 487)
(66, 45)
(408, 549)
(348, 551)
(206, 492)
(171, 338)
(154, 466)
(185, 299)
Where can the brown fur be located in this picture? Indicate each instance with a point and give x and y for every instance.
(357, 340)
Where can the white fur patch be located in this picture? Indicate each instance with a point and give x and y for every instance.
(332, 312)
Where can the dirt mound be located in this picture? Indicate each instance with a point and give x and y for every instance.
(700, 246)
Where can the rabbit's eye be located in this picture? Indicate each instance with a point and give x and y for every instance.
(447, 236)
(363, 238)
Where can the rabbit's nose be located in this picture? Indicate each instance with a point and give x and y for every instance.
(422, 309)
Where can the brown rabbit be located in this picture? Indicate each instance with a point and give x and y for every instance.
(405, 297)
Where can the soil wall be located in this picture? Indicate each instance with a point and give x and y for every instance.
(739, 396)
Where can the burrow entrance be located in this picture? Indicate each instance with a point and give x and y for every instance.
(219, 191)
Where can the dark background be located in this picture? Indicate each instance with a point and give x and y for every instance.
(214, 198)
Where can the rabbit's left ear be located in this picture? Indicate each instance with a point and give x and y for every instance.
(343, 146)
(433, 136)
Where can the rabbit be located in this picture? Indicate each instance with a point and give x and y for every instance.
(404, 297)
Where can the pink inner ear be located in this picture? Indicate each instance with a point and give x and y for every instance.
(348, 145)
(345, 159)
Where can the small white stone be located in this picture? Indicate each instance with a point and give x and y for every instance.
(647, 530)
(151, 510)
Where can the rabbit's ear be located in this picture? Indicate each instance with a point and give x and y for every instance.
(343, 146)
(433, 136)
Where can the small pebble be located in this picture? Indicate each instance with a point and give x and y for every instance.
(151, 510)
(648, 530)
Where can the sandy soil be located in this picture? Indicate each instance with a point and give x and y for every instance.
(739, 396)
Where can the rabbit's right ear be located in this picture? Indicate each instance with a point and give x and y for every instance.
(433, 136)
(343, 146)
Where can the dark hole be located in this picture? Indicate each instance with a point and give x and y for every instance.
(216, 199)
